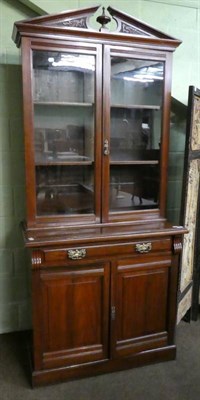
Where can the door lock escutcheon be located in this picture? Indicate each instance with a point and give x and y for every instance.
(113, 313)
(106, 150)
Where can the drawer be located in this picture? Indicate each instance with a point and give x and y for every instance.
(109, 250)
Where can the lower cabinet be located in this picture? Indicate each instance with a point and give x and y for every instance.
(97, 316)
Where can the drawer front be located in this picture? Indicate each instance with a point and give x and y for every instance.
(90, 252)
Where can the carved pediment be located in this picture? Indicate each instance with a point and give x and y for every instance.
(75, 18)
(80, 20)
(132, 30)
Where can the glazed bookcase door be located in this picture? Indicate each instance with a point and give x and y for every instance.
(133, 133)
(65, 136)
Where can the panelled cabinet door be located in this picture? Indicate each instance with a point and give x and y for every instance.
(140, 292)
(73, 316)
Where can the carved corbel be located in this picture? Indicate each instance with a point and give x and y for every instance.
(177, 244)
(37, 258)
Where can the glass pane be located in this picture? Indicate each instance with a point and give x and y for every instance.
(134, 187)
(136, 122)
(136, 101)
(64, 190)
(135, 134)
(63, 92)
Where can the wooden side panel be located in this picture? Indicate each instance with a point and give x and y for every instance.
(74, 315)
(141, 293)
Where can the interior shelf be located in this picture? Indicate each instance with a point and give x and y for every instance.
(62, 103)
(133, 106)
(51, 163)
(83, 104)
(134, 162)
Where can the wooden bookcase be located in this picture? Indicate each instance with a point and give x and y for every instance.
(104, 258)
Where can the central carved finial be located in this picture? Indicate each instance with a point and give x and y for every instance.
(103, 19)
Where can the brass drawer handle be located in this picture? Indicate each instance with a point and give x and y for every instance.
(143, 247)
(76, 254)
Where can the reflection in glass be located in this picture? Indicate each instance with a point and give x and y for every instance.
(63, 77)
(63, 92)
(134, 187)
(135, 112)
(136, 102)
(64, 190)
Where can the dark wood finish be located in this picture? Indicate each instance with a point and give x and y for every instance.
(141, 304)
(104, 282)
(102, 125)
(131, 296)
(81, 371)
(72, 315)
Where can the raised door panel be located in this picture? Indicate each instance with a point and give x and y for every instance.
(74, 316)
(140, 301)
